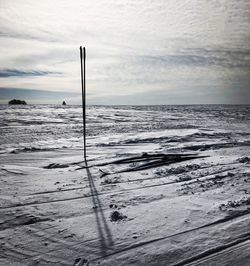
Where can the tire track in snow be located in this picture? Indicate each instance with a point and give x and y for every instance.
(136, 180)
(225, 252)
(220, 221)
(215, 251)
(107, 193)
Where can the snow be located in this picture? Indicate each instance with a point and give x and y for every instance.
(164, 185)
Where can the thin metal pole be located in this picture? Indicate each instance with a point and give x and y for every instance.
(84, 116)
(83, 82)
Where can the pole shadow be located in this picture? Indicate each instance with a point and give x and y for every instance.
(105, 236)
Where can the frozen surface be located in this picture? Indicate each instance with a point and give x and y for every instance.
(164, 185)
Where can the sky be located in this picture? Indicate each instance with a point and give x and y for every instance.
(138, 52)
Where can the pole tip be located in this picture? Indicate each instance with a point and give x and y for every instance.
(84, 52)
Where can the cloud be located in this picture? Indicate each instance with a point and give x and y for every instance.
(201, 58)
(133, 47)
(4, 73)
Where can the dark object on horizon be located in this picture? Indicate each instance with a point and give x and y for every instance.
(64, 103)
(83, 82)
(14, 101)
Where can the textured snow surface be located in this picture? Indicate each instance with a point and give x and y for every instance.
(162, 185)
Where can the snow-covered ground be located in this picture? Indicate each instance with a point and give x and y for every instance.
(162, 185)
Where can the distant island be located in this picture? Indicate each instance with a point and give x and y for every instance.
(14, 101)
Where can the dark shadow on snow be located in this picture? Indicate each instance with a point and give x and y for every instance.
(105, 236)
(148, 161)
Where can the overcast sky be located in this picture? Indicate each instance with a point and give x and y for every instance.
(138, 52)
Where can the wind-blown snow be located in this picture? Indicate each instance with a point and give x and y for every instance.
(162, 185)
